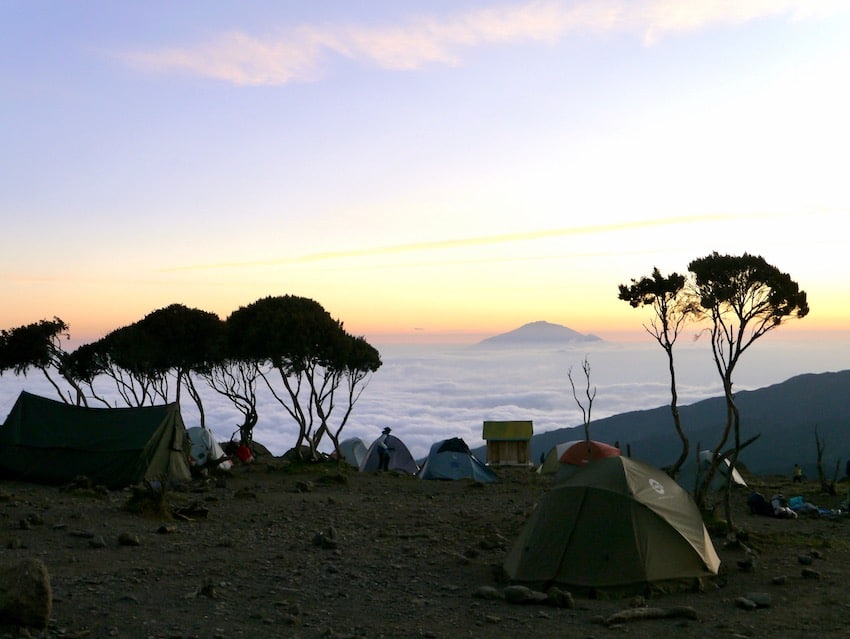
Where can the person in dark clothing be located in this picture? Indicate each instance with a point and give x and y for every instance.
(384, 449)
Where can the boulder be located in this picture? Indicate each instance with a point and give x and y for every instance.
(26, 598)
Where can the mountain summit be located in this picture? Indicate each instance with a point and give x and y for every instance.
(538, 333)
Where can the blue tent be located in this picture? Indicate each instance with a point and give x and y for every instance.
(452, 459)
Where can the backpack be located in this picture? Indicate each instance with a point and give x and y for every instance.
(759, 505)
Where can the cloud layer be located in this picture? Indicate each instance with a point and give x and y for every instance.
(304, 53)
(429, 394)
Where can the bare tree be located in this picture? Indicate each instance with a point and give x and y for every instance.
(237, 381)
(825, 486)
(589, 394)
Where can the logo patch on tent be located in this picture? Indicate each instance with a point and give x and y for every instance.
(656, 486)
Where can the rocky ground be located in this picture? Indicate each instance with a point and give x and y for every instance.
(275, 550)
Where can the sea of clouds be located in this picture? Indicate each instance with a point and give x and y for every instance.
(429, 393)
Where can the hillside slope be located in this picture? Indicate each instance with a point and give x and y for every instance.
(784, 416)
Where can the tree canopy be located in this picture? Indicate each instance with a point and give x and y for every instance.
(312, 355)
(39, 346)
(306, 358)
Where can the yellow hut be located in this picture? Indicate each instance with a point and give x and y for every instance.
(508, 443)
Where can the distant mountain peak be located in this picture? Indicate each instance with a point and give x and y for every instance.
(540, 333)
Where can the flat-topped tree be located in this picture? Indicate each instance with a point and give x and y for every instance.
(744, 297)
(184, 341)
(39, 346)
(152, 359)
(304, 356)
(672, 307)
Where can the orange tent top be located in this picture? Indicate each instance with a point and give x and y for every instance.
(577, 453)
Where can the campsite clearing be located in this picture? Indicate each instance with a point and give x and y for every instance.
(275, 549)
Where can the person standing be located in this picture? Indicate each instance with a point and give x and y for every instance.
(798, 474)
(384, 449)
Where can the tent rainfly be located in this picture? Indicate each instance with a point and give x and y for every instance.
(452, 459)
(51, 442)
(616, 524)
(575, 453)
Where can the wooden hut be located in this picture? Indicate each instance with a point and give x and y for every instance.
(508, 443)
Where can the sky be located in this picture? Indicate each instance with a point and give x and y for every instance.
(427, 171)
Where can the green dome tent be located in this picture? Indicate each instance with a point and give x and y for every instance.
(617, 523)
(452, 459)
(51, 442)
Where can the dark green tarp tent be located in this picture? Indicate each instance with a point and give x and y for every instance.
(47, 441)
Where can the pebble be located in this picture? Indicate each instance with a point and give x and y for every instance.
(128, 539)
(97, 542)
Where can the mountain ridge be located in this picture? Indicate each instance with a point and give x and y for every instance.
(539, 332)
(783, 415)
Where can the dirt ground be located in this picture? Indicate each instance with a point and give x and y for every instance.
(276, 550)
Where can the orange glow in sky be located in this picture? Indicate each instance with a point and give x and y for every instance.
(438, 174)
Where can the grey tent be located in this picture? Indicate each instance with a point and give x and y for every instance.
(452, 459)
(400, 457)
(47, 441)
(353, 451)
(617, 523)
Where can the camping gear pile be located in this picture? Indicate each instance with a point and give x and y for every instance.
(206, 451)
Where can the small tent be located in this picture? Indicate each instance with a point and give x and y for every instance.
(579, 453)
(206, 451)
(574, 453)
(353, 451)
(617, 523)
(48, 441)
(400, 457)
(719, 479)
(452, 459)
